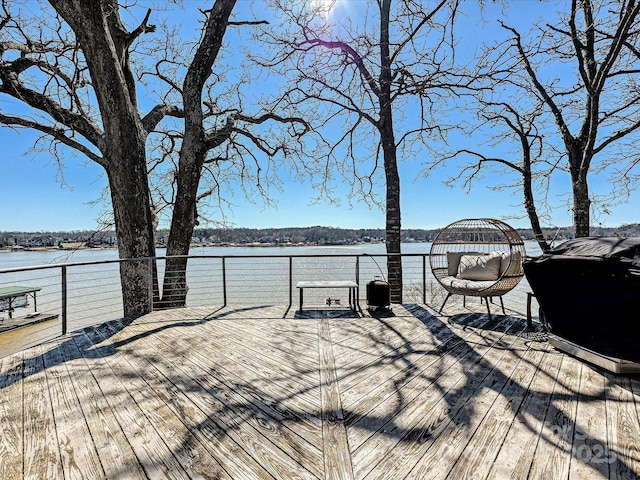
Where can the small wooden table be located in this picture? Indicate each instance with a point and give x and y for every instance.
(353, 288)
(10, 293)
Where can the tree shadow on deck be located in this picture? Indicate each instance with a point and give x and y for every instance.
(551, 424)
(66, 348)
(536, 333)
(250, 406)
(193, 373)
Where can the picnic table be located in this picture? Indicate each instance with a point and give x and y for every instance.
(9, 295)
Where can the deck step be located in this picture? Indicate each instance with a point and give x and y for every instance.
(7, 324)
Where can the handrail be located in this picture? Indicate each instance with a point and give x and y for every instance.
(83, 292)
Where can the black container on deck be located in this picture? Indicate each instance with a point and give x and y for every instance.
(378, 294)
(589, 292)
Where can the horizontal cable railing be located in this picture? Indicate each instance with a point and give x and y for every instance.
(86, 293)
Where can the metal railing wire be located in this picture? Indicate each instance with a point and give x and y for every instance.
(88, 293)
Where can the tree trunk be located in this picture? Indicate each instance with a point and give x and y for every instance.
(579, 161)
(393, 224)
(530, 206)
(103, 41)
(132, 214)
(192, 156)
(387, 138)
(581, 205)
(183, 222)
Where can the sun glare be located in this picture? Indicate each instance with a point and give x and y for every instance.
(323, 7)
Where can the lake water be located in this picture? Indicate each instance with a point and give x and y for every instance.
(34, 258)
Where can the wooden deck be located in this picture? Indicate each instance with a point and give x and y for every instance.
(269, 393)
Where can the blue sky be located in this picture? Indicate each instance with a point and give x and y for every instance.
(35, 198)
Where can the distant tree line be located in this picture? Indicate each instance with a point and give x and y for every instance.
(316, 235)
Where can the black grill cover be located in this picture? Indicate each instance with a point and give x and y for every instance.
(589, 292)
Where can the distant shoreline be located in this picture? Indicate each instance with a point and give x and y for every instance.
(19, 249)
(267, 237)
(52, 249)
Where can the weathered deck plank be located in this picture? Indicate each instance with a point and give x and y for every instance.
(246, 425)
(78, 453)
(479, 454)
(153, 395)
(466, 399)
(115, 451)
(590, 439)
(335, 444)
(41, 448)
(623, 429)
(519, 446)
(11, 412)
(405, 396)
(256, 371)
(155, 458)
(554, 452)
(268, 393)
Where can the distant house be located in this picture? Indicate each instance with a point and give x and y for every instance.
(42, 241)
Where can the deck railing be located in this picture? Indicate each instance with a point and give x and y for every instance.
(87, 293)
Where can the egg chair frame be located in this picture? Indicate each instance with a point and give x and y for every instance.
(477, 257)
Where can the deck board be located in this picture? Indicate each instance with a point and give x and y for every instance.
(11, 412)
(590, 438)
(479, 453)
(335, 443)
(481, 376)
(232, 415)
(78, 453)
(40, 446)
(514, 458)
(138, 420)
(622, 428)
(272, 393)
(232, 428)
(115, 452)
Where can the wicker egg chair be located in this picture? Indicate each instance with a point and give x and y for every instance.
(478, 257)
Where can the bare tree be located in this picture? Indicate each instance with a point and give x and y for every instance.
(584, 71)
(511, 146)
(57, 71)
(216, 141)
(361, 70)
(84, 52)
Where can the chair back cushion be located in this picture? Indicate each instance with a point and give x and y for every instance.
(479, 267)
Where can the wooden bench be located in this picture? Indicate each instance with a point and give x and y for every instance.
(353, 288)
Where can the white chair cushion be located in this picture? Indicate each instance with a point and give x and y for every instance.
(479, 267)
(510, 263)
(470, 285)
(453, 261)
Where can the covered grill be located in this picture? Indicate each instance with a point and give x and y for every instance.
(589, 292)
